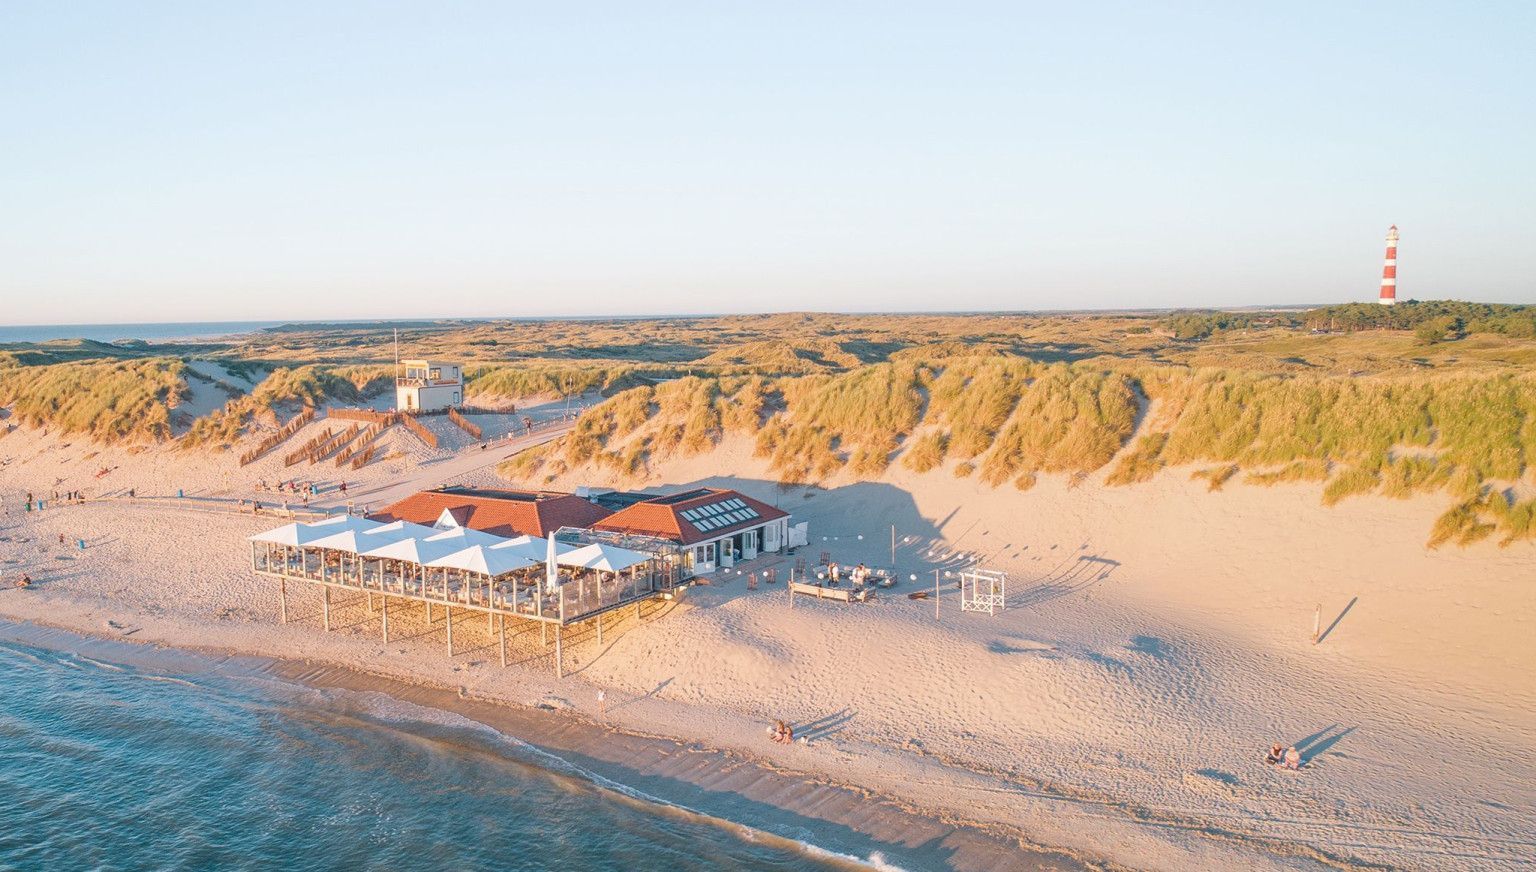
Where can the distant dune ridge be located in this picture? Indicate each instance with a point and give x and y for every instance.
(1249, 398)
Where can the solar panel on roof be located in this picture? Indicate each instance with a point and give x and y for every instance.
(690, 514)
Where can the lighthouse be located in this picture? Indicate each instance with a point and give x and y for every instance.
(1389, 270)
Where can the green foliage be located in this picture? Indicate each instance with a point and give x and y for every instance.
(1199, 325)
(1450, 317)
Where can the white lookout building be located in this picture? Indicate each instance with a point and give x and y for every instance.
(428, 386)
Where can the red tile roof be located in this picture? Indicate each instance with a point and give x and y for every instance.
(663, 516)
(512, 513)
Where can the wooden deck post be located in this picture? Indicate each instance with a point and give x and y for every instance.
(544, 633)
(599, 629)
(282, 598)
(325, 594)
(501, 624)
(559, 658)
(449, 612)
(384, 609)
(429, 611)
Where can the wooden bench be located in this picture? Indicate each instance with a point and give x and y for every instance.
(842, 594)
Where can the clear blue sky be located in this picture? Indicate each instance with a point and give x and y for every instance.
(190, 161)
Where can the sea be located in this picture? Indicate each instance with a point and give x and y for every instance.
(113, 765)
(157, 332)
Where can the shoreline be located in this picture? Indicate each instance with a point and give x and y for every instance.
(834, 821)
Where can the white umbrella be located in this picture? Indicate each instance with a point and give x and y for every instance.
(530, 546)
(603, 557)
(307, 534)
(486, 561)
(466, 537)
(413, 550)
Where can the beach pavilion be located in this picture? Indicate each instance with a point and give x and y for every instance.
(529, 578)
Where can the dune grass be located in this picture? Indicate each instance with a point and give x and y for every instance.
(111, 401)
(284, 390)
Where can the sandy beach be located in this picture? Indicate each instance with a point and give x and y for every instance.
(1157, 639)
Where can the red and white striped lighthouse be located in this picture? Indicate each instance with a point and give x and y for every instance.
(1389, 270)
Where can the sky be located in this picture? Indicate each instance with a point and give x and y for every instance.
(166, 161)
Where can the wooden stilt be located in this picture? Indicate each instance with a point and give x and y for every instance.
(325, 594)
(448, 613)
(599, 629)
(282, 598)
(369, 595)
(384, 610)
(429, 611)
(501, 623)
(544, 633)
(559, 658)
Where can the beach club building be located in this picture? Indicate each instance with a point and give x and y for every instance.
(716, 528)
(708, 528)
(554, 559)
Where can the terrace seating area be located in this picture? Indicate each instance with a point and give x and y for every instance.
(523, 577)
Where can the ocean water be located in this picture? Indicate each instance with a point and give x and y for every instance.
(115, 766)
(161, 332)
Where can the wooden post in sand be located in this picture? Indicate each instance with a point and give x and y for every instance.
(325, 598)
(599, 628)
(1317, 623)
(282, 598)
(559, 652)
(501, 624)
(935, 594)
(448, 611)
(384, 608)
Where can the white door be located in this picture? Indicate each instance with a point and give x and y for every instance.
(771, 537)
(749, 545)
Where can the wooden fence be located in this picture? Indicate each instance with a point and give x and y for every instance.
(279, 437)
(419, 429)
(307, 448)
(357, 446)
(366, 415)
(361, 460)
(465, 424)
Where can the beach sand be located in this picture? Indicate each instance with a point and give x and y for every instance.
(1157, 639)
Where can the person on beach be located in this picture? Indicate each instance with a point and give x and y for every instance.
(61, 538)
(834, 571)
(24, 581)
(1292, 759)
(1276, 755)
